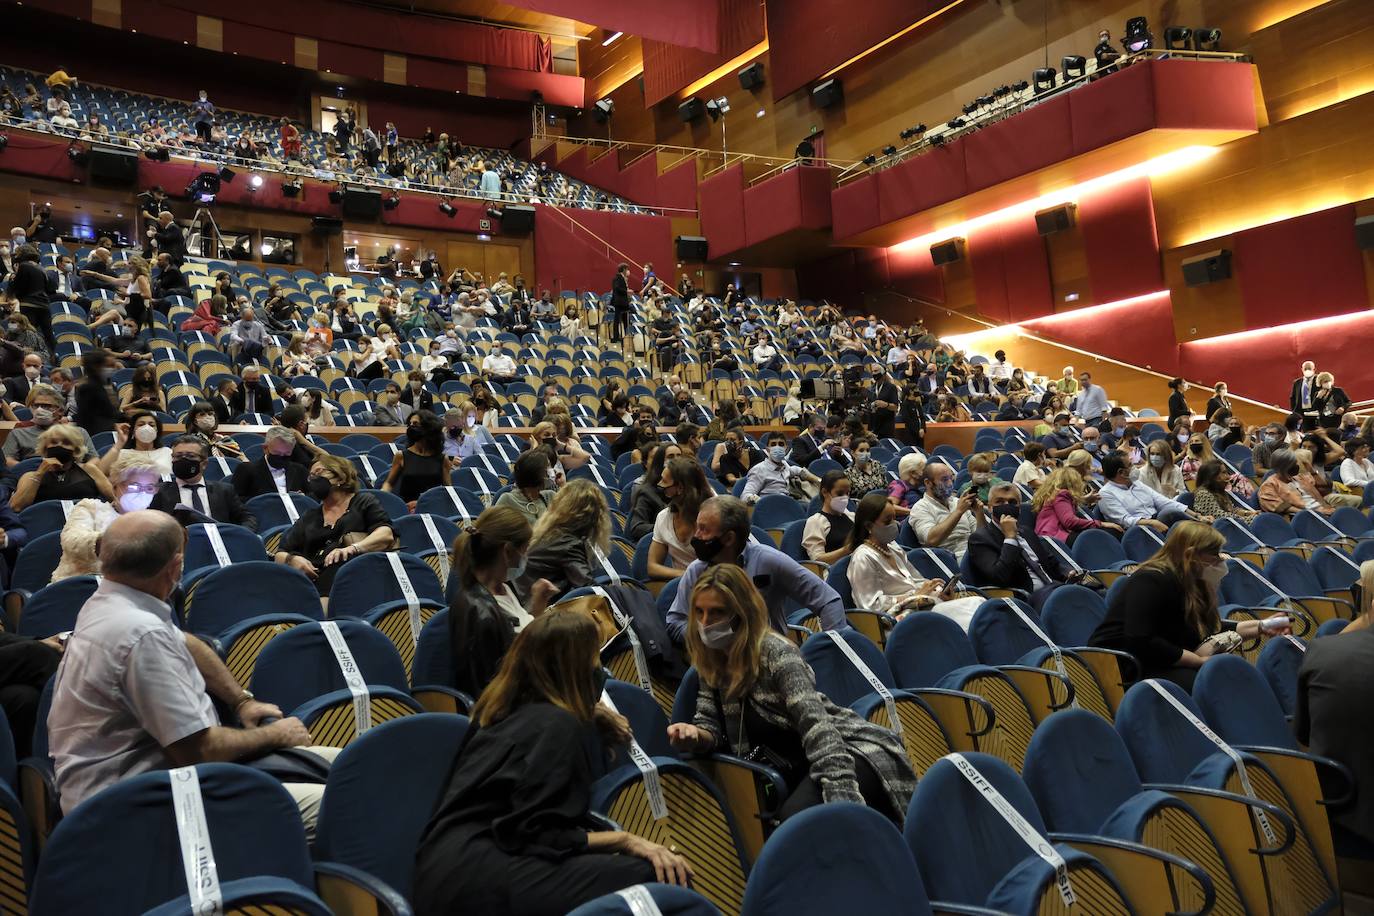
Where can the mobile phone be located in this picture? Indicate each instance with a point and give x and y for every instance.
(64, 636)
(1270, 624)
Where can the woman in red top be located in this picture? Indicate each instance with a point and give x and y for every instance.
(208, 317)
(1056, 505)
(290, 140)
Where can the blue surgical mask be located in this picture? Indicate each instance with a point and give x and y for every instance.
(1157, 461)
(778, 453)
(943, 491)
(1090, 444)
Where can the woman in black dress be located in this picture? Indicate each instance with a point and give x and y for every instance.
(422, 464)
(345, 524)
(510, 837)
(1178, 404)
(1330, 401)
(66, 471)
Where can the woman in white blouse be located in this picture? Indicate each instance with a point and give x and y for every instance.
(135, 477)
(880, 576)
(684, 484)
(1357, 470)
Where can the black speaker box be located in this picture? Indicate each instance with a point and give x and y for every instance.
(828, 93)
(362, 203)
(691, 248)
(1364, 232)
(1207, 268)
(327, 225)
(517, 218)
(691, 109)
(1055, 219)
(114, 167)
(947, 252)
(751, 77)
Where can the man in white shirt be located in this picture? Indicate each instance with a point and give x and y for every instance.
(773, 474)
(1126, 502)
(1000, 370)
(941, 521)
(499, 366)
(766, 355)
(1091, 403)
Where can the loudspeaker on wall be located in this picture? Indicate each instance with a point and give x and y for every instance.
(751, 77)
(1364, 232)
(114, 167)
(1208, 268)
(947, 252)
(1055, 219)
(517, 218)
(691, 248)
(828, 93)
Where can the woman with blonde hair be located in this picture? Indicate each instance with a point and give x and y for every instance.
(510, 833)
(909, 487)
(294, 360)
(569, 543)
(570, 452)
(67, 471)
(135, 477)
(1165, 613)
(1056, 503)
(758, 695)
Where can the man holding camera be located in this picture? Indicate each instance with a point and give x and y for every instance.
(939, 519)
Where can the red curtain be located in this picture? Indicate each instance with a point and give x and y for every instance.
(691, 24)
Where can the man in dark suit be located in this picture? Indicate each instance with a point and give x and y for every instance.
(253, 396)
(274, 472)
(218, 500)
(1005, 555)
(17, 388)
(414, 394)
(620, 302)
(169, 237)
(1301, 398)
(169, 280)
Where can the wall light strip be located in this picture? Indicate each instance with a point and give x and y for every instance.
(1022, 329)
(608, 41)
(1324, 322)
(889, 39)
(1159, 165)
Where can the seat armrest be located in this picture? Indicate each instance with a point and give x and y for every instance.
(1214, 806)
(1154, 880)
(1331, 773)
(349, 891)
(441, 698)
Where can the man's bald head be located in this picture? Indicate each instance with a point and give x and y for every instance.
(143, 550)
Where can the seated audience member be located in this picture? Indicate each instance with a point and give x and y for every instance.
(774, 475)
(67, 471)
(1331, 718)
(1057, 503)
(637, 434)
(883, 579)
(866, 474)
(756, 691)
(464, 437)
(940, 519)
(274, 472)
(570, 452)
(1357, 470)
(26, 666)
(1165, 613)
(48, 408)
(253, 396)
(1212, 496)
(248, 336)
(415, 396)
(344, 525)
(570, 540)
(1005, 554)
(500, 366)
(825, 538)
(422, 464)
(910, 485)
(530, 493)
(1159, 472)
(95, 402)
(1198, 452)
(722, 538)
(981, 478)
(484, 613)
(1061, 440)
(646, 497)
(1275, 437)
(143, 433)
(734, 457)
(1313, 472)
(509, 834)
(812, 444)
(136, 693)
(214, 499)
(686, 488)
(144, 393)
(1126, 502)
(17, 388)
(1288, 491)
(135, 478)
(203, 423)
(1032, 469)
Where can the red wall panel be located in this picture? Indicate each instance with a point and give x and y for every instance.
(722, 211)
(854, 207)
(639, 181)
(350, 59)
(669, 66)
(1139, 332)
(604, 172)
(922, 182)
(1203, 94)
(1120, 241)
(255, 41)
(677, 187)
(1011, 271)
(795, 199)
(163, 22)
(570, 255)
(514, 84)
(645, 240)
(989, 273)
(911, 271)
(690, 24)
(1034, 139)
(1112, 108)
(1300, 268)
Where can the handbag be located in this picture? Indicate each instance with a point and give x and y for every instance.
(598, 608)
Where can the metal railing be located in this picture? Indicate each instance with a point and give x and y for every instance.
(726, 159)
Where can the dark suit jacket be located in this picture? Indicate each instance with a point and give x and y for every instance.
(17, 388)
(1295, 396)
(225, 505)
(224, 411)
(95, 412)
(1003, 565)
(254, 478)
(426, 399)
(263, 395)
(172, 241)
(620, 294)
(804, 450)
(1332, 716)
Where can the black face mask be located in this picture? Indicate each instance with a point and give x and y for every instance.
(707, 549)
(61, 453)
(318, 487)
(278, 462)
(185, 468)
(413, 434)
(1005, 510)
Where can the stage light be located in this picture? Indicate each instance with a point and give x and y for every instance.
(158, 154)
(336, 196)
(1020, 86)
(1177, 38)
(1074, 66)
(266, 249)
(1002, 92)
(984, 101)
(291, 188)
(717, 107)
(391, 201)
(255, 181)
(447, 209)
(956, 123)
(1138, 36)
(1044, 80)
(1206, 39)
(77, 154)
(204, 187)
(871, 159)
(806, 149)
(603, 110)
(889, 150)
(970, 108)
(226, 174)
(937, 140)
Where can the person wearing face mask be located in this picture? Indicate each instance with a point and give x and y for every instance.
(722, 538)
(1061, 440)
(1330, 401)
(883, 579)
(670, 551)
(135, 477)
(826, 535)
(415, 395)
(646, 497)
(980, 475)
(143, 392)
(422, 464)
(1125, 502)
(484, 611)
(758, 698)
(734, 458)
(1178, 402)
(1212, 498)
(389, 411)
(1008, 554)
(1159, 472)
(531, 491)
(1165, 613)
(884, 402)
(67, 471)
(344, 525)
(202, 422)
(774, 475)
(910, 486)
(143, 433)
(464, 437)
(939, 518)
(812, 444)
(46, 407)
(866, 474)
(274, 472)
(1302, 396)
(17, 388)
(189, 488)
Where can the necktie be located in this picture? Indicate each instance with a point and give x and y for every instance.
(1306, 394)
(1034, 563)
(250, 403)
(198, 498)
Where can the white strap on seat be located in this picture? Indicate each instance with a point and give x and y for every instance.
(1043, 637)
(398, 570)
(193, 836)
(1039, 845)
(1063, 554)
(353, 678)
(605, 562)
(1251, 535)
(935, 558)
(217, 545)
(1150, 532)
(438, 543)
(289, 505)
(1345, 558)
(67, 508)
(639, 900)
(873, 680)
(481, 482)
(223, 465)
(1263, 580)
(458, 503)
(1302, 646)
(648, 770)
(636, 647)
(1226, 749)
(1334, 530)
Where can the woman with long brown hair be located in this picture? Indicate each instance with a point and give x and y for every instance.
(1166, 612)
(684, 484)
(509, 837)
(758, 699)
(570, 539)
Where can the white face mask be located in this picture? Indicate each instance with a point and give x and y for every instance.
(146, 434)
(1213, 574)
(31, 372)
(42, 416)
(839, 504)
(205, 422)
(1308, 373)
(133, 501)
(717, 636)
